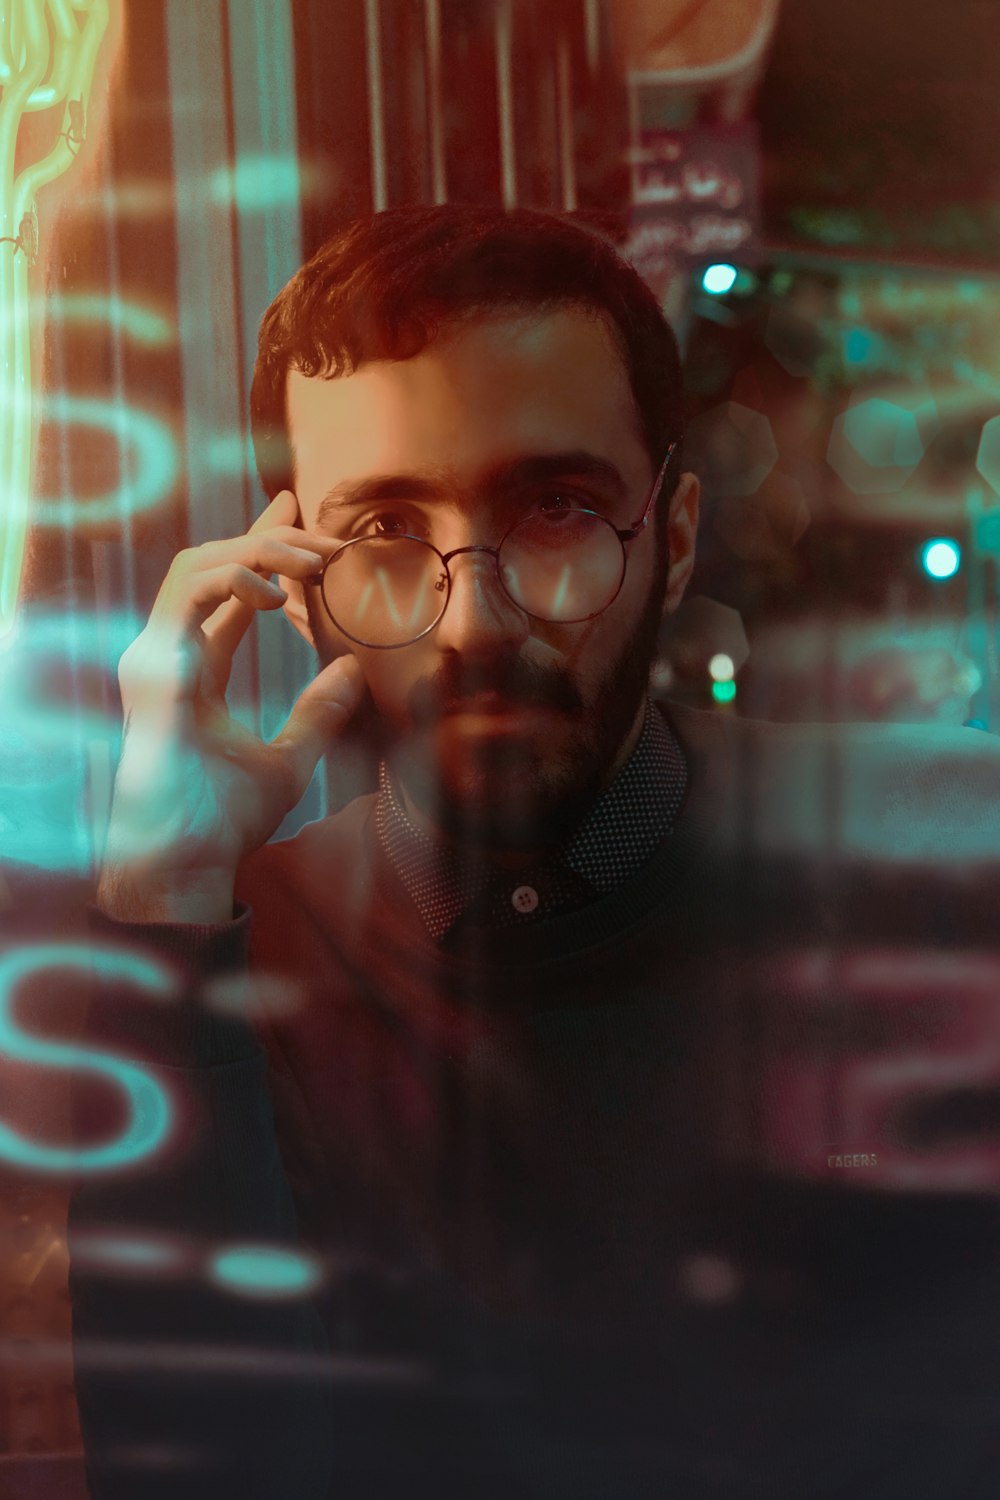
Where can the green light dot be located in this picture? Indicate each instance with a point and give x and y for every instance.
(724, 692)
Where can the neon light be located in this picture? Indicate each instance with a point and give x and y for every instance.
(150, 1107)
(144, 325)
(44, 51)
(258, 182)
(941, 557)
(76, 640)
(56, 758)
(719, 279)
(152, 443)
(265, 1270)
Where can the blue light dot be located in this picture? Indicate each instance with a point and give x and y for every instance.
(719, 279)
(941, 557)
(265, 1270)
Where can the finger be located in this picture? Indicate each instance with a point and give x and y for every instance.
(204, 578)
(319, 715)
(267, 552)
(215, 586)
(282, 511)
(165, 663)
(227, 624)
(171, 649)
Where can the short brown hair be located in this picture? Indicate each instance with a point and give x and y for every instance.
(383, 287)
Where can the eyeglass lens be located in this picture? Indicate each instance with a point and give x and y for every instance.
(561, 567)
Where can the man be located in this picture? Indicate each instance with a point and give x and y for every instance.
(535, 992)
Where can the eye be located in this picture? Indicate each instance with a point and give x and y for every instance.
(392, 523)
(554, 503)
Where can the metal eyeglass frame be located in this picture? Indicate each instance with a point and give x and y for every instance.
(627, 534)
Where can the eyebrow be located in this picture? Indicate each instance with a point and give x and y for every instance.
(500, 481)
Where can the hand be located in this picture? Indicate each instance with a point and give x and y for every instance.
(195, 790)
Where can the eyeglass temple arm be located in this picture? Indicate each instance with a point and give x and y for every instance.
(637, 526)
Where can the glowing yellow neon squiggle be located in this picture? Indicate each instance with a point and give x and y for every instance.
(48, 49)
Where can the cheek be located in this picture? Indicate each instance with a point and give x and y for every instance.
(607, 644)
(391, 676)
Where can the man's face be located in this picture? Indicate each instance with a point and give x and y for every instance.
(502, 727)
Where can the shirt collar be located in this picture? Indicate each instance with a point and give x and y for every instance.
(620, 833)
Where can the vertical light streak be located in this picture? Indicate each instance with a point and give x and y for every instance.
(376, 106)
(35, 76)
(435, 114)
(418, 602)
(364, 601)
(505, 103)
(592, 24)
(567, 142)
(385, 585)
(561, 590)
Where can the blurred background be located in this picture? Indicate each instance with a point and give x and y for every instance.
(813, 190)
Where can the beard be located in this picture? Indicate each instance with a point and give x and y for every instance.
(513, 795)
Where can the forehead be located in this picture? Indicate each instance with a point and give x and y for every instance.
(484, 392)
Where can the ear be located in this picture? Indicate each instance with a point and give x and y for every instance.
(682, 531)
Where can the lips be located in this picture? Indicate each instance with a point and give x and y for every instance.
(491, 704)
(515, 690)
(493, 714)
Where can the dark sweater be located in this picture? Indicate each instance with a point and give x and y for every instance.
(578, 1193)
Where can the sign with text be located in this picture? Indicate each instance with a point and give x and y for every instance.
(694, 197)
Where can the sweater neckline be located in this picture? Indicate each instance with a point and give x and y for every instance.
(650, 893)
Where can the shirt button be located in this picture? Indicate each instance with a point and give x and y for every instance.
(524, 899)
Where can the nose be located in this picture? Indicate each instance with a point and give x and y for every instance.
(480, 618)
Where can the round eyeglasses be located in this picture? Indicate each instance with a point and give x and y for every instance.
(559, 565)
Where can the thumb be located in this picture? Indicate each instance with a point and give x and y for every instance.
(320, 713)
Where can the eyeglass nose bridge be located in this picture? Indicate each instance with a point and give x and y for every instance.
(446, 557)
(445, 584)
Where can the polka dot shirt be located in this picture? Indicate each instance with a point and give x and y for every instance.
(620, 833)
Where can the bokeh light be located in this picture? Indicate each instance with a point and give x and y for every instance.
(885, 434)
(719, 279)
(988, 455)
(941, 557)
(732, 448)
(877, 443)
(265, 1271)
(140, 1254)
(721, 668)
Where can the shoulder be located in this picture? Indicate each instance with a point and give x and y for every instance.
(875, 790)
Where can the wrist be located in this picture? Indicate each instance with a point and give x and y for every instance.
(202, 897)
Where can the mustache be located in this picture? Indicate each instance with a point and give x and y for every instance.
(519, 682)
